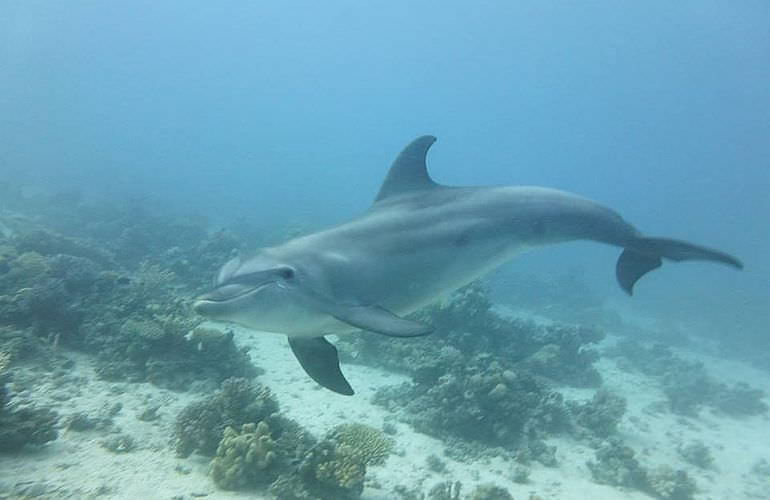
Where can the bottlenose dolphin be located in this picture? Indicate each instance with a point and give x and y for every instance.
(419, 241)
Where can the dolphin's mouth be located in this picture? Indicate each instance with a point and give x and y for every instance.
(226, 292)
(205, 303)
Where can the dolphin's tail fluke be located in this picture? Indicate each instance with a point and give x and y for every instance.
(645, 254)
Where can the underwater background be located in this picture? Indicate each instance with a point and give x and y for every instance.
(141, 142)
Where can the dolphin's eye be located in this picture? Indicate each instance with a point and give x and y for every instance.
(286, 273)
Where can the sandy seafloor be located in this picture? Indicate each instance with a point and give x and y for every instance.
(77, 466)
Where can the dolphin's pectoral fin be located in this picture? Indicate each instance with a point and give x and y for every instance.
(319, 359)
(645, 254)
(379, 320)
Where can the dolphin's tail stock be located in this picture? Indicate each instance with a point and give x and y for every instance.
(644, 254)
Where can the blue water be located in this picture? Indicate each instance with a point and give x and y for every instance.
(290, 113)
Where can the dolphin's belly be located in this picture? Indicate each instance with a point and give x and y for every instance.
(404, 284)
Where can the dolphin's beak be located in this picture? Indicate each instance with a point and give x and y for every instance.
(202, 306)
(212, 303)
(216, 301)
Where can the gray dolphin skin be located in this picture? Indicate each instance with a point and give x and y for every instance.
(418, 242)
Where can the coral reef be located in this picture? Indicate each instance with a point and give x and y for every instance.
(601, 415)
(339, 467)
(520, 474)
(616, 465)
(739, 400)
(476, 400)
(242, 457)
(148, 334)
(405, 493)
(115, 282)
(117, 286)
(43, 241)
(335, 467)
(136, 325)
(761, 468)
(369, 443)
(5, 361)
(290, 487)
(119, 443)
(82, 422)
(687, 384)
(490, 492)
(467, 323)
(435, 464)
(669, 484)
(35, 294)
(329, 469)
(201, 425)
(486, 378)
(566, 297)
(447, 490)
(275, 453)
(697, 454)
(24, 426)
(95, 290)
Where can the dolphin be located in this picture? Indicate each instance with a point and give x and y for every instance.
(418, 242)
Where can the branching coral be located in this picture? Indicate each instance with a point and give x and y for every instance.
(243, 456)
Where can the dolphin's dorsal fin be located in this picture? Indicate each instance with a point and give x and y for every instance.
(409, 172)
